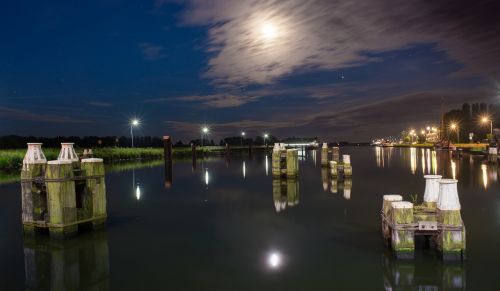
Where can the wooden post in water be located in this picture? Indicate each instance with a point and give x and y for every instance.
(61, 199)
(95, 202)
(68, 153)
(324, 155)
(346, 159)
(431, 193)
(387, 214)
(276, 160)
(402, 240)
(167, 154)
(292, 163)
(34, 200)
(336, 154)
(451, 240)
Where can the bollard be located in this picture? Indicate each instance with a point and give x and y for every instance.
(336, 154)
(451, 240)
(61, 199)
(387, 213)
(68, 153)
(324, 155)
(402, 240)
(346, 159)
(94, 200)
(431, 193)
(34, 201)
(276, 161)
(292, 163)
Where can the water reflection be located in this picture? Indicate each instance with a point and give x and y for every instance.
(267, 166)
(136, 187)
(422, 275)
(379, 156)
(485, 176)
(78, 264)
(244, 170)
(207, 177)
(453, 170)
(285, 193)
(274, 260)
(413, 160)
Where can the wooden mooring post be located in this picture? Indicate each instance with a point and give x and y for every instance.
(439, 221)
(285, 162)
(324, 155)
(60, 195)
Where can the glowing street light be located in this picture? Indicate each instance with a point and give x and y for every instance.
(486, 119)
(134, 122)
(265, 137)
(242, 135)
(204, 132)
(454, 126)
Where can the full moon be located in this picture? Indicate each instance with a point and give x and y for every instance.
(269, 31)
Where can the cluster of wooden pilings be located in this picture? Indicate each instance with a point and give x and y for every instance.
(438, 219)
(341, 169)
(61, 195)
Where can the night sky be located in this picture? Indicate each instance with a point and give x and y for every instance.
(340, 70)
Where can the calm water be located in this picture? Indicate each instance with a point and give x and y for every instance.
(218, 228)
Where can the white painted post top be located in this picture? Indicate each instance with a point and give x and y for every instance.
(431, 193)
(92, 160)
(493, 151)
(34, 155)
(58, 162)
(276, 146)
(346, 159)
(67, 152)
(333, 164)
(393, 197)
(325, 145)
(448, 195)
(402, 205)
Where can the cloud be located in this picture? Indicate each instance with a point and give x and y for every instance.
(217, 100)
(99, 104)
(348, 121)
(259, 42)
(152, 52)
(18, 114)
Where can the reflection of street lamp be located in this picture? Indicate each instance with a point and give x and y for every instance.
(454, 126)
(486, 119)
(242, 135)
(133, 122)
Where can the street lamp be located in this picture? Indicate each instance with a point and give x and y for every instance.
(486, 119)
(454, 126)
(265, 137)
(204, 131)
(133, 122)
(242, 135)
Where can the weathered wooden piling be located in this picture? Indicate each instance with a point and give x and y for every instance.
(285, 163)
(493, 154)
(34, 199)
(431, 193)
(336, 154)
(324, 155)
(61, 199)
(60, 195)
(451, 240)
(402, 241)
(387, 214)
(346, 160)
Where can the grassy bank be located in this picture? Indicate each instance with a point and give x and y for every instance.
(12, 159)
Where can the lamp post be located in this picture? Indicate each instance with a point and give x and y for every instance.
(486, 119)
(133, 122)
(265, 137)
(242, 135)
(204, 131)
(454, 126)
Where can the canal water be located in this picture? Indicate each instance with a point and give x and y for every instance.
(226, 225)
